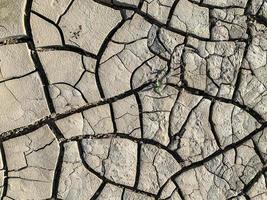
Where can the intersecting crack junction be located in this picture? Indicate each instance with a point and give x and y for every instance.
(133, 99)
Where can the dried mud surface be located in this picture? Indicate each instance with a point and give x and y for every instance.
(133, 99)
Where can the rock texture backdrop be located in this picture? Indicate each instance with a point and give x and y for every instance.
(133, 99)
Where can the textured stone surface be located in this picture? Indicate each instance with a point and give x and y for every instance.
(133, 99)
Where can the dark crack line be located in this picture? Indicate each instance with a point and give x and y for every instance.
(219, 152)
(56, 131)
(52, 118)
(74, 87)
(205, 5)
(35, 57)
(258, 152)
(212, 125)
(100, 54)
(99, 190)
(138, 165)
(248, 6)
(97, 78)
(67, 47)
(172, 11)
(5, 168)
(248, 43)
(67, 9)
(182, 130)
(251, 183)
(137, 97)
(122, 195)
(52, 23)
(104, 179)
(14, 40)
(113, 119)
(182, 65)
(152, 20)
(128, 137)
(140, 5)
(179, 190)
(205, 95)
(171, 117)
(18, 77)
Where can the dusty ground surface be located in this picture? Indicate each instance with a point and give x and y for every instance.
(133, 100)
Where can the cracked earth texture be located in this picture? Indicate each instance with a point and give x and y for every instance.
(133, 99)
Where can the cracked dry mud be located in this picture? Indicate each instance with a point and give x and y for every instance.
(133, 99)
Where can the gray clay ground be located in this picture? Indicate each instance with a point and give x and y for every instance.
(133, 100)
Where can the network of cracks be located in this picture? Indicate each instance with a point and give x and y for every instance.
(133, 99)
